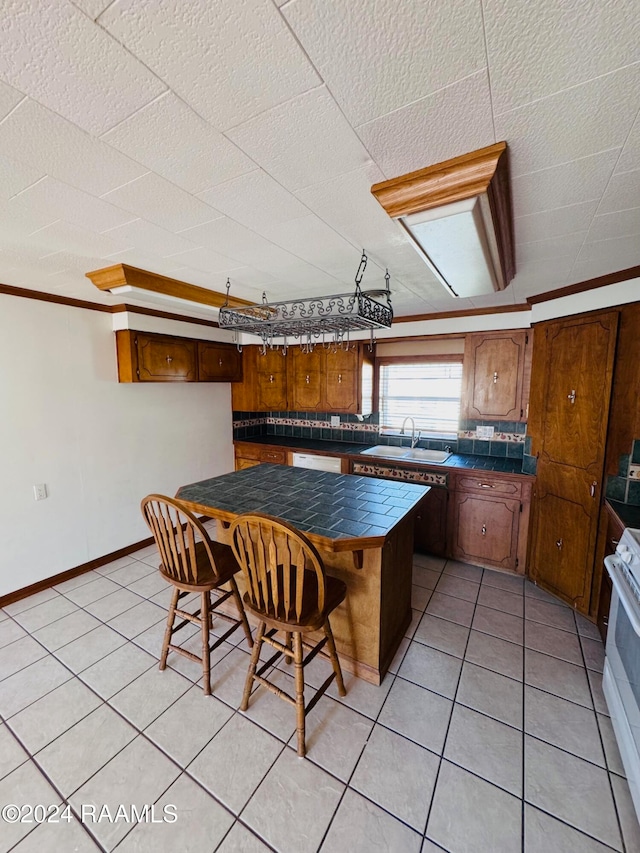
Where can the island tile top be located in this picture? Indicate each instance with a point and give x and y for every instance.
(334, 506)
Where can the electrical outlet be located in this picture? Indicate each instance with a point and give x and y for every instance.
(40, 491)
(485, 431)
(335, 421)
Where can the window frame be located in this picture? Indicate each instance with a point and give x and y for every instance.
(442, 358)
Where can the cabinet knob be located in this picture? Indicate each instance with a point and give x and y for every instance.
(219, 362)
(307, 379)
(169, 359)
(495, 377)
(559, 544)
(572, 396)
(486, 486)
(271, 377)
(484, 529)
(339, 377)
(592, 488)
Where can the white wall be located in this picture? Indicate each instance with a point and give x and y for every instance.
(98, 445)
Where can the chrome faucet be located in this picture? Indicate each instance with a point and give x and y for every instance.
(414, 439)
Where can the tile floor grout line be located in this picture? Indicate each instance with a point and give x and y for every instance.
(604, 753)
(446, 734)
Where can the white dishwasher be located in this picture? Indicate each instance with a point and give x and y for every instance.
(318, 463)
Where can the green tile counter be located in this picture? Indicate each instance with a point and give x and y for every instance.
(363, 528)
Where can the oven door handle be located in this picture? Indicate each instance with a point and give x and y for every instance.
(631, 606)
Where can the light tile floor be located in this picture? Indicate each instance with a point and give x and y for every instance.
(489, 734)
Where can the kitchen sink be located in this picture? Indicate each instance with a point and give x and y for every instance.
(417, 454)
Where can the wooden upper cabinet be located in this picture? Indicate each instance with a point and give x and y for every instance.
(306, 375)
(218, 362)
(317, 381)
(270, 381)
(494, 373)
(147, 357)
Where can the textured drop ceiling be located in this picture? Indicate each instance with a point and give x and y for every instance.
(240, 138)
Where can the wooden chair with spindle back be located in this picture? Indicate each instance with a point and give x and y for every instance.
(192, 562)
(289, 592)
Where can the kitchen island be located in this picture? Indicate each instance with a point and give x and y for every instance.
(363, 528)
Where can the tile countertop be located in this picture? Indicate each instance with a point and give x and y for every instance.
(329, 506)
(628, 514)
(345, 448)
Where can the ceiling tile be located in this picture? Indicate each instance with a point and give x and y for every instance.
(154, 198)
(630, 156)
(229, 238)
(54, 53)
(491, 300)
(539, 277)
(622, 223)
(536, 49)
(172, 140)
(622, 193)
(593, 117)
(93, 8)
(554, 223)
(18, 220)
(377, 59)
(620, 252)
(312, 240)
(568, 184)
(62, 201)
(346, 204)
(40, 138)
(268, 66)
(302, 142)
(205, 260)
(64, 237)
(254, 200)
(598, 266)
(147, 237)
(9, 98)
(553, 247)
(451, 122)
(15, 176)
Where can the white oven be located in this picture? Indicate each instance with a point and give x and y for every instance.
(621, 680)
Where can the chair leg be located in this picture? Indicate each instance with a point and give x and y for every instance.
(289, 645)
(335, 663)
(300, 710)
(206, 654)
(255, 657)
(171, 615)
(243, 615)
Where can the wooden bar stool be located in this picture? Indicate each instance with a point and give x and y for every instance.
(289, 592)
(192, 562)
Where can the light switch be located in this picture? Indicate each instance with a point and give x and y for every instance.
(40, 491)
(335, 421)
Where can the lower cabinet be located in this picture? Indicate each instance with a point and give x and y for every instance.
(488, 519)
(430, 529)
(249, 454)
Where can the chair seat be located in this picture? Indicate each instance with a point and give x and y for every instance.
(311, 618)
(226, 566)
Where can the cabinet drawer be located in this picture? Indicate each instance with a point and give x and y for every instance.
(489, 485)
(261, 454)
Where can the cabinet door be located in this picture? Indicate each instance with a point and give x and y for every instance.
(241, 463)
(307, 379)
(165, 359)
(494, 367)
(578, 365)
(218, 363)
(271, 390)
(430, 533)
(341, 392)
(486, 530)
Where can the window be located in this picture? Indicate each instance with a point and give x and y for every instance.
(428, 390)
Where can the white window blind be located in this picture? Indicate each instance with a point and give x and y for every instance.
(427, 391)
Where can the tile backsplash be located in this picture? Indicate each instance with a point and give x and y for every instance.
(508, 439)
(625, 487)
